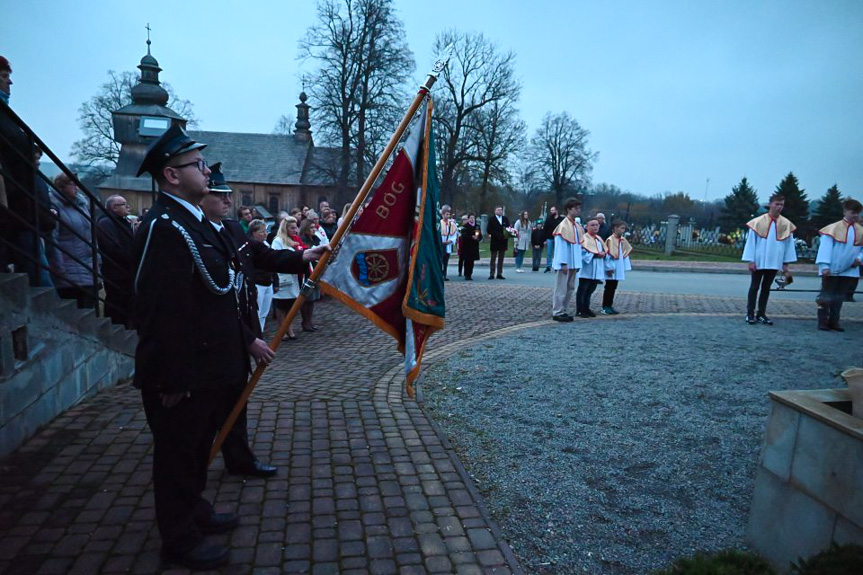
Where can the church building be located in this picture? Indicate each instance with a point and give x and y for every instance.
(272, 172)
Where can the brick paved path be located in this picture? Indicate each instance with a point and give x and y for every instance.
(366, 482)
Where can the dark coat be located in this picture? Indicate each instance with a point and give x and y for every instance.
(550, 225)
(115, 243)
(604, 230)
(254, 257)
(499, 239)
(537, 238)
(26, 192)
(470, 240)
(189, 337)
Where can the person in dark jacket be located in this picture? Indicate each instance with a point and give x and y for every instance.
(114, 234)
(252, 257)
(192, 346)
(551, 222)
(471, 236)
(25, 206)
(537, 244)
(497, 225)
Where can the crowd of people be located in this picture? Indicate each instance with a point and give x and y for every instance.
(198, 286)
(599, 253)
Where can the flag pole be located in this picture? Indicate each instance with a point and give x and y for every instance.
(311, 282)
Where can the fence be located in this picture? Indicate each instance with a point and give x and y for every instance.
(692, 240)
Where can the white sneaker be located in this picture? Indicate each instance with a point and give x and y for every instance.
(519, 271)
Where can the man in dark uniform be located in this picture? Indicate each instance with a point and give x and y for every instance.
(497, 225)
(191, 349)
(250, 255)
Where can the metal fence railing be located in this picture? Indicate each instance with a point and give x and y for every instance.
(31, 219)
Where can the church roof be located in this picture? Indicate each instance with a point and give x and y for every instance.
(269, 158)
(255, 158)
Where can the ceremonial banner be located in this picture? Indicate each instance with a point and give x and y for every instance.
(388, 265)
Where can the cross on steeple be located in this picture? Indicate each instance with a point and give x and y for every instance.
(148, 37)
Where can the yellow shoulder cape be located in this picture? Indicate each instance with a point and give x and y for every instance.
(761, 226)
(572, 232)
(839, 232)
(615, 247)
(594, 245)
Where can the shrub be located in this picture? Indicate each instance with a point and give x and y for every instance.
(727, 562)
(837, 560)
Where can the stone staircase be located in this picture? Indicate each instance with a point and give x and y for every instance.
(52, 355)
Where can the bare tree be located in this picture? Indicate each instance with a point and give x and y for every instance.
(499, 134)
(284, 125)
(97, 149)
(560, 154)
(477, 78)
(364, 63)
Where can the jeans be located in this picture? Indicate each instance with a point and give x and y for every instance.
(550, 248)
(519, 258)
(762, 279)
(537, 258)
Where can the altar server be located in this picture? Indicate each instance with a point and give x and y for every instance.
(769, 248)
(592, 269)
(567, 259)
(616, 265)
(838, 260)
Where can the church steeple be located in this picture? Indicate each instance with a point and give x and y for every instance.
(302, 125)
(149, 90)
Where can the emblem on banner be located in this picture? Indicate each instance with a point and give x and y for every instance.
(373, 267)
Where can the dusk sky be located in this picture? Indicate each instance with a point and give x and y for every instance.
(673, 93)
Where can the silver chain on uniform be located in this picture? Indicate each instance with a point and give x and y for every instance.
(234, 280)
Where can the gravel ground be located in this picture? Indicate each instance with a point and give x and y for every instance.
(641, 447)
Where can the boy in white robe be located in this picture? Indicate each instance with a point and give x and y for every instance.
(592, 269)
(448, 236)
(616, 265)
(769, 248)
(566, 259)
(838, 260)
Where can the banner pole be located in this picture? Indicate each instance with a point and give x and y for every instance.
(311, 282)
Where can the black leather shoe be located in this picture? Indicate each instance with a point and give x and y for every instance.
(500, 277)
(561, 317)
(835, 327)
(219, 523)
(203, 557)
(491, 277)
(257, 469)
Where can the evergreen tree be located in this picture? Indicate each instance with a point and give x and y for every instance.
(796, 203)
(741, 205)
(829, 208)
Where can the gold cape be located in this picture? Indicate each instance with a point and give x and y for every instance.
(613, 245)
(761, 226)
(591, 243)
(572, 232)
(839, 232)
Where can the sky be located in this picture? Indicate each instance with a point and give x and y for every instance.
(677, 95)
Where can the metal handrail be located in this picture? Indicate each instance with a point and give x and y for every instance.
(95, 206)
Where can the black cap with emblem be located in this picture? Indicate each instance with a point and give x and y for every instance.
(173, 142)
(218, 183)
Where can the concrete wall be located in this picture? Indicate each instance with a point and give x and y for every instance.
(809, 485)
(52, 355)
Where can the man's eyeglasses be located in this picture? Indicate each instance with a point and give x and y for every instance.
(201, 164)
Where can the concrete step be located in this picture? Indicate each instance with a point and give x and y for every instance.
(16, 288)
(43, 299)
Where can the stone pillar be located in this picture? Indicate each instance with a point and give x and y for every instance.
(671, 233)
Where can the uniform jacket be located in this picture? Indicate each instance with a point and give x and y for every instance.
(189, 338)
(253, 257)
